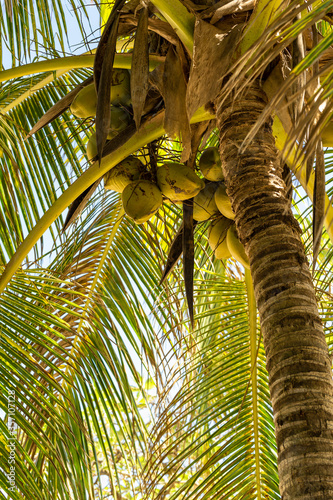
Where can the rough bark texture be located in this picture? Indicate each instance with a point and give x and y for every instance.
(298, 361)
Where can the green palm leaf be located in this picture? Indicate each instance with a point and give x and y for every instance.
(116, 396)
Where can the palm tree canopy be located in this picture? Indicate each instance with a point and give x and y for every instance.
(115, 394)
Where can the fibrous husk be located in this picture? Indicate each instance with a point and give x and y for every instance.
(210, 165)
(127, 171)
(188, 256)
(236, 248)
(103, 64)
(217, 237)
(178, 182)
(212, 55)
(176, 122)
(204, 206)
(140, 66)
(223, 202)
(141, 199)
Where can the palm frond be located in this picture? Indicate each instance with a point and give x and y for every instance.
(26, 30)
(203, 444)
(115, 395)
(46, 159)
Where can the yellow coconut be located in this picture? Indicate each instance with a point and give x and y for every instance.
(217, 237)
(85, 102)
(236, 248)
(178, 182)
(223, 202)
(210, 164)
(141, 199)
(127, 171)
(204, 205)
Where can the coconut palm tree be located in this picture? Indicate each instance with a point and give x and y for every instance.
(113, 393)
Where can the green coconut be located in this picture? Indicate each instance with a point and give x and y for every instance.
(120, 94)
(204, 206)
(120, 118)
(223, 203)
(85, 102)
(236, 248)
(92, 144)
(127, 171)
(217, 238)
(141, 199)
(210, 164)
(178, 182)
(91, 147)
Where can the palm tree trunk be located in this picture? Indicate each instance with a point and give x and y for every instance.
(297, 357)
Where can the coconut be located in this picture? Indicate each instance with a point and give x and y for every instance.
(210, 165)
(120, 118)
(91, 147)
(127, 171)
(141, 199)
(204, 206)
(236, 248)
(92, 143)
(217, 238)
(85, 102)
(120, 94)
(223, 202)
(178, 182)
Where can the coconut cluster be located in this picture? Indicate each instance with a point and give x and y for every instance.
(224, 242)
(143, 195)
(212, 203)
(85, 103)
(143, 191)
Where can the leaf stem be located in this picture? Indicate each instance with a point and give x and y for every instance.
(120, 214)
(72, 62)
(252, 309)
